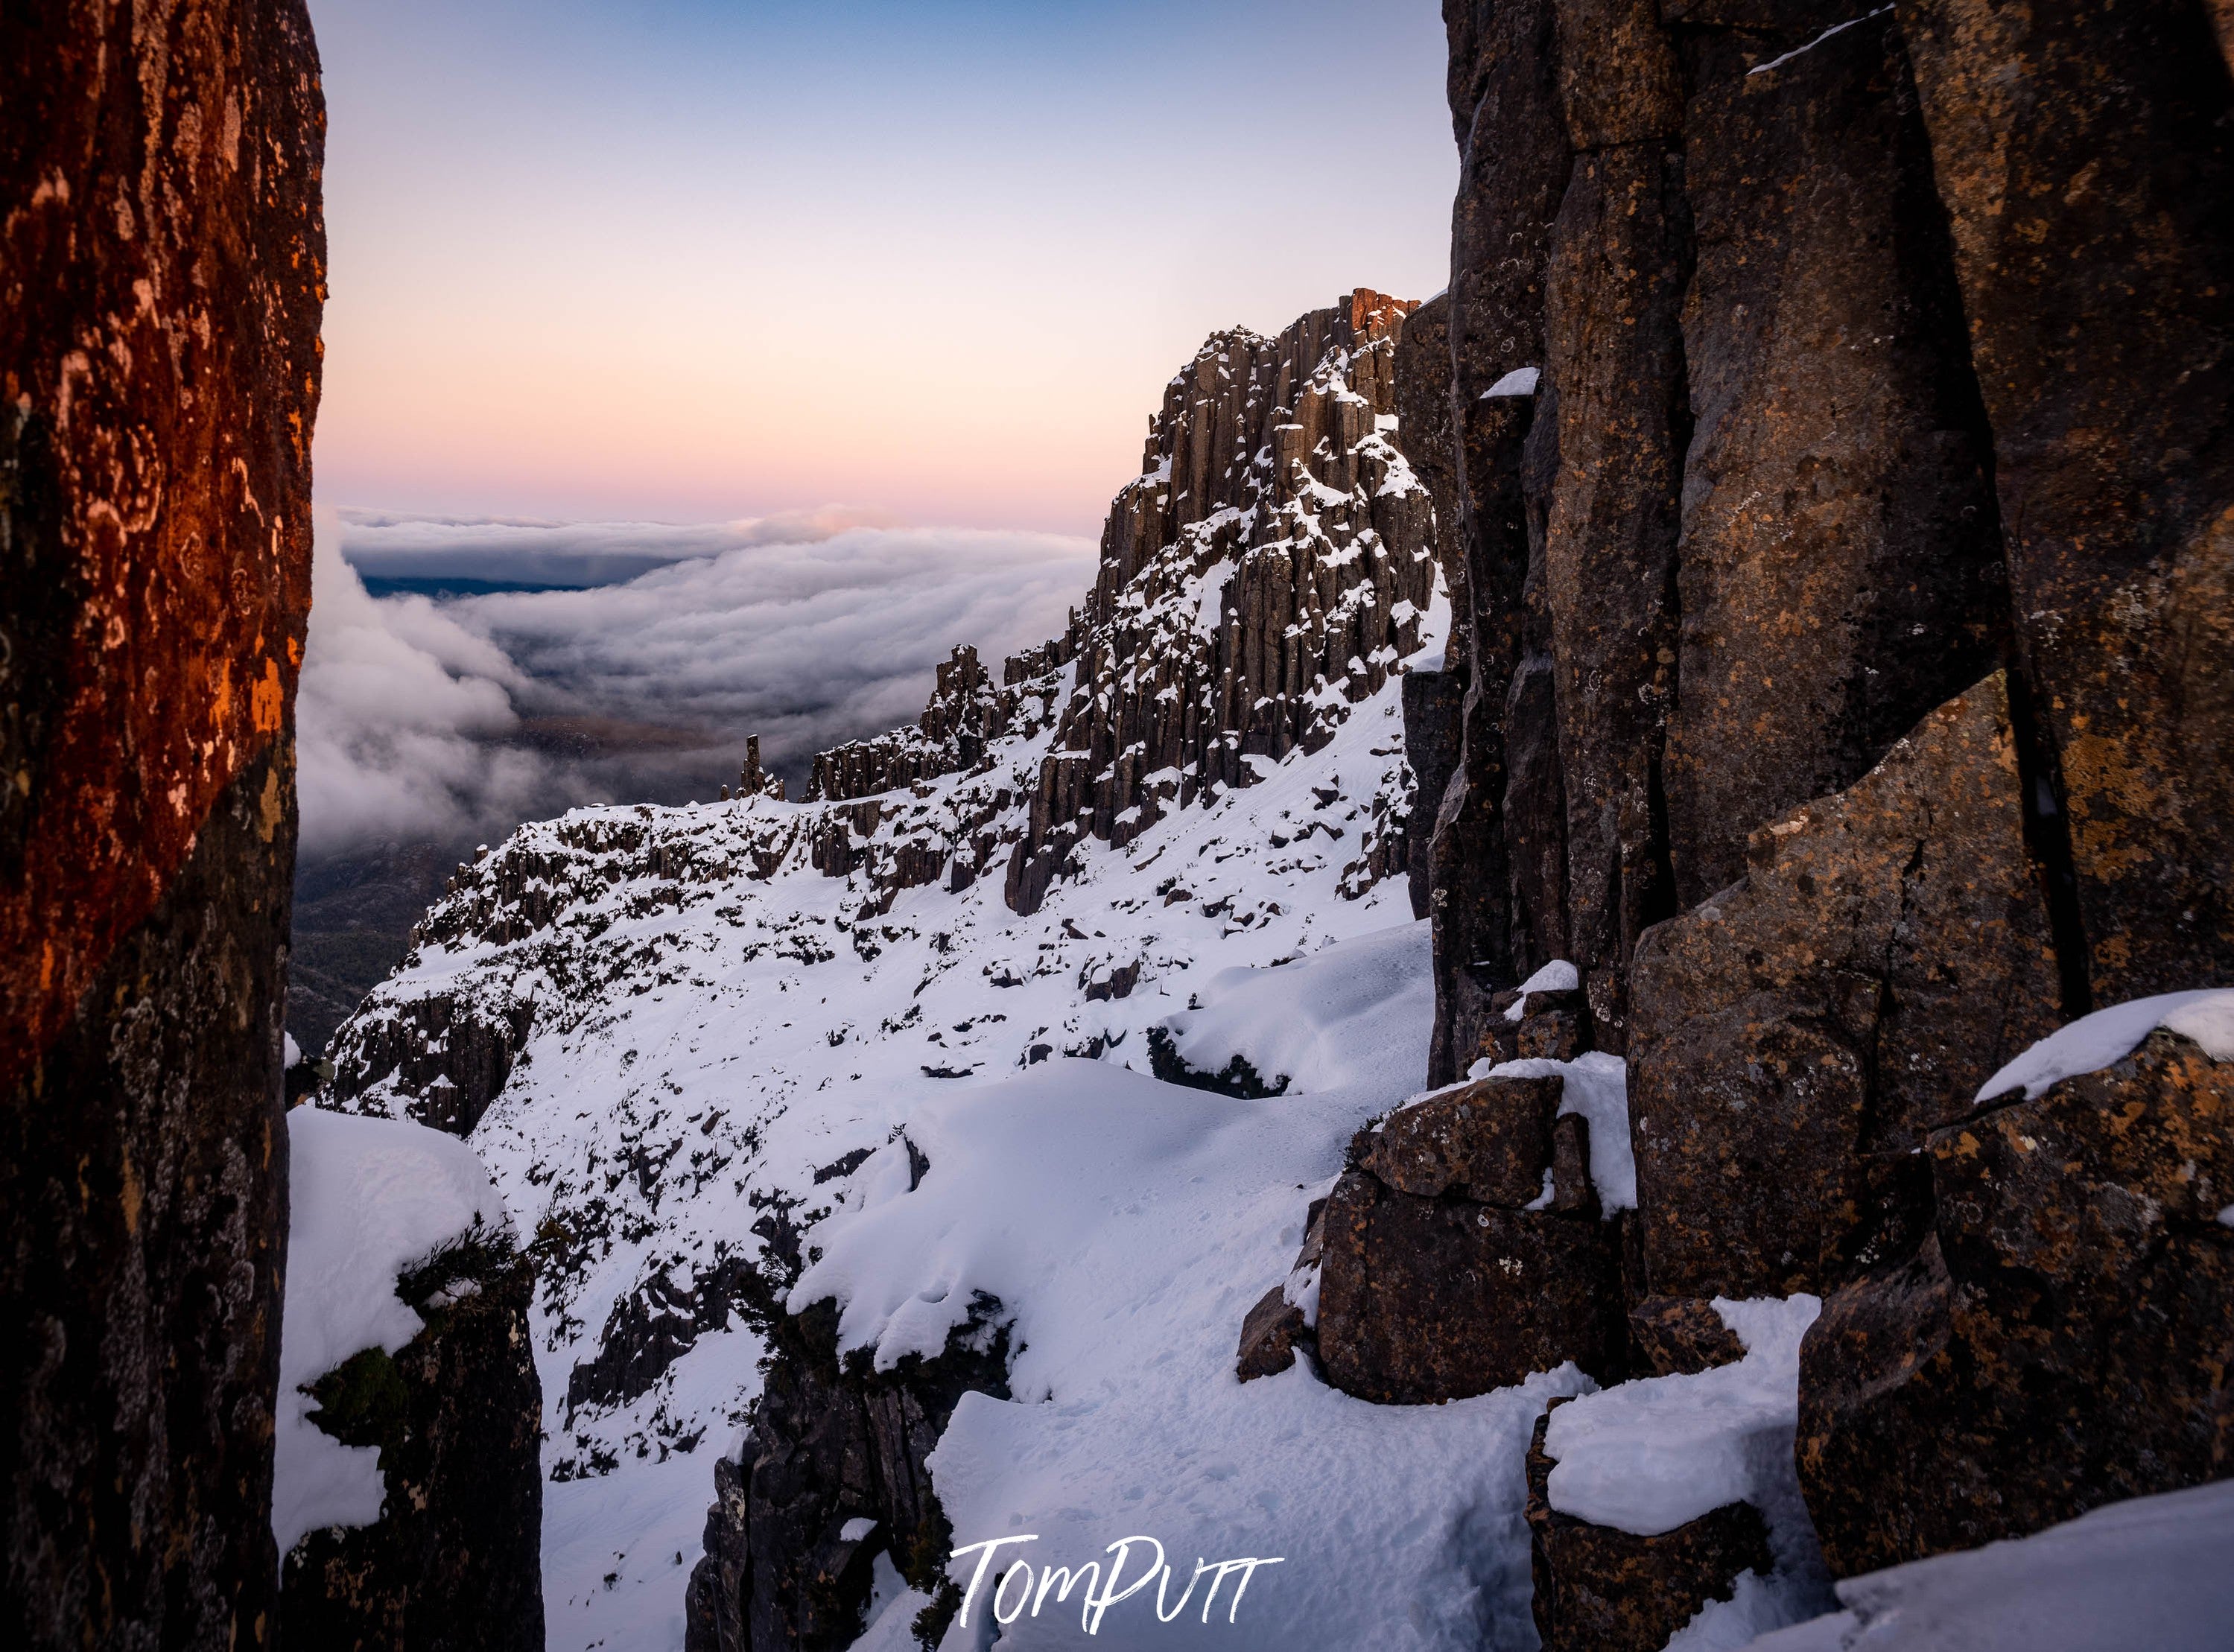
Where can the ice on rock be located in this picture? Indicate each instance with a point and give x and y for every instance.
(367, 1198)
(2108, 1036)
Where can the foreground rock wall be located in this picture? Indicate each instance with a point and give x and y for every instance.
(161, 270)
(1838, 405)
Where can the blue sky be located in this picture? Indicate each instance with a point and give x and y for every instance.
(694, 260)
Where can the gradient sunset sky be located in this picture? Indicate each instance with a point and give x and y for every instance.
(683, 260)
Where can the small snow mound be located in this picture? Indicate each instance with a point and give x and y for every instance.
(1354, 1012)
(1521, 381)
(1647, 1457)
(2108, 1036)
(368, 1198)
(1559, 976)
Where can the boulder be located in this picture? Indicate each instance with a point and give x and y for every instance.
(1424, 1299)
(2062, 1339)
(1600, 1590)
(1268, 1337)
(1797, 1035)
(1490, 1142)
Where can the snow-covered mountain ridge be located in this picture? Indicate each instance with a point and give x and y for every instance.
(676, 1035)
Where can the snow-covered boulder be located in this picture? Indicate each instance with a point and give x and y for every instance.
(408, 1500)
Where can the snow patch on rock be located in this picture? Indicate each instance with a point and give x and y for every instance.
(368, 1198)
(2108, 1036)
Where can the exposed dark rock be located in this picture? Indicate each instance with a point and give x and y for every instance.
(1269, 1335)
(656, 1324)
(161, 262)
(1841, 566)
(453, 1563)
(1424, 411)
(1513, 167)
(1616, 274)
(2085, 154)
(2063, 1340)
(1797, 1034)
(1490, 1142)
(829, 1445)
(1423, 1299)
(1598, 1589)
(1237, 1078)
(1434, 716)
(1681, 1336)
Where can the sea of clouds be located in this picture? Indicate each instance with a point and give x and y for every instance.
(442, 720)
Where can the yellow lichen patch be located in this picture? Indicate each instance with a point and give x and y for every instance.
(267, 701)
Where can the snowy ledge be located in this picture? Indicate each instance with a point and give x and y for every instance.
(2108, 1036)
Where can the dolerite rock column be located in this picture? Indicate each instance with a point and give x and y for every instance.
(2085, 153)
(1497, 895)
(161, 257)
(1269, 568)
(1797, 1035)
(455, 1562)
(1616, 269)
(2063, 1338)
(1840, 567)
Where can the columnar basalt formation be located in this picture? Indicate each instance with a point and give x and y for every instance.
(161, 262)
(1839, 404)
(1269, 568)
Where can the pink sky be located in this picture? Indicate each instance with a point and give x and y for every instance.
(686, 260)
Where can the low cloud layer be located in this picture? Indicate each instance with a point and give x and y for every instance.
(454, 720)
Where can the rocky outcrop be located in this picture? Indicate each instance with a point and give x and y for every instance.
(1600, 1590)
(2063, 1337)
(832, 1475)
(161, 262)
(1797, 1035)
(1452, 1268)
(1269, 568)
(2082, 153)
(1839, 405)
(967, 711)
(453, 1563)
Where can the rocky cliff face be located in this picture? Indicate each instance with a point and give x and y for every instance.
(1270, 564)
(161, 262)
(454, 1562)
(1838, 414)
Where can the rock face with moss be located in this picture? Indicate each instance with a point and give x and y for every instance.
(453, 1563)
(162, 268)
